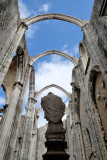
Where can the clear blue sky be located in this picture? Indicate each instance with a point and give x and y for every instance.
(53, 34)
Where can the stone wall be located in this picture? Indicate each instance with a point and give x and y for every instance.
(40, 142)
(92, 82)
(87, 139)
(9, 21)
(99, 23)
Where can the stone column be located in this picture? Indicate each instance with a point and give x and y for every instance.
(79, 147)
(29, 120)
(14, 117)
(28, 129)
(69, 131)
(11, 51)
(19, 108)
(3, 116)
(5, 131)
(33, 149)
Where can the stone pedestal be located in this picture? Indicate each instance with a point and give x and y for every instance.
(55, 150)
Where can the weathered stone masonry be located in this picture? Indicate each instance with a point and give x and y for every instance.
(86, 123)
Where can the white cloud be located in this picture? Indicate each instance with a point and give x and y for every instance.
(73, 51)
(54, 72)
(31, 31)
(57, 72)
(65, 46)
(45, 7)
(24, 11)
(2, 101)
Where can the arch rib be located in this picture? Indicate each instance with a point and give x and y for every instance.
(74, 20)
(35, 58)
(56, 86)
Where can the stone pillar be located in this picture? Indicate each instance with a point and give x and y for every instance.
(11, 51)
(32, 82)
(3, 116)
(28, 129)
(5, 131)
(69, 131)
(33, 149)
(10, 146)
(29, 120)
(79, 147)
(19, 109)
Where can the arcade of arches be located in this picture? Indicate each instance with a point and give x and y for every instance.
(86, 121)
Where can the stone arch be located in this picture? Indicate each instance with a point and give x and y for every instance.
(35, 58)
(74, 20)
(55, 86)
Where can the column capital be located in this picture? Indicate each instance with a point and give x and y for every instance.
(77, 122)
(20, 139)
(32, 99)
(20, 51)
(18, 83)
(85, 27)
(30, 66)
(70, 101)
(24, 25)
(75, 87)
(5, 106)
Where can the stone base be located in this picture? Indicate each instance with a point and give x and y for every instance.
(55, 151)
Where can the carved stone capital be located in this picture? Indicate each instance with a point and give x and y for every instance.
(85, 26)
(77, 122)
(19, 84)
(24, 25)
(20, 51)
(75, 87)
(30, 66)
(32, 99)
(4, 107)
(20, 140)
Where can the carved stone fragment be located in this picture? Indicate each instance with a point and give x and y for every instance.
(54, 110)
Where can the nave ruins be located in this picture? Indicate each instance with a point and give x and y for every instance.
(86, 120)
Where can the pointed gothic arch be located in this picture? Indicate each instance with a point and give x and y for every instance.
(35, 58)
(55, 86)
(38, 18)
